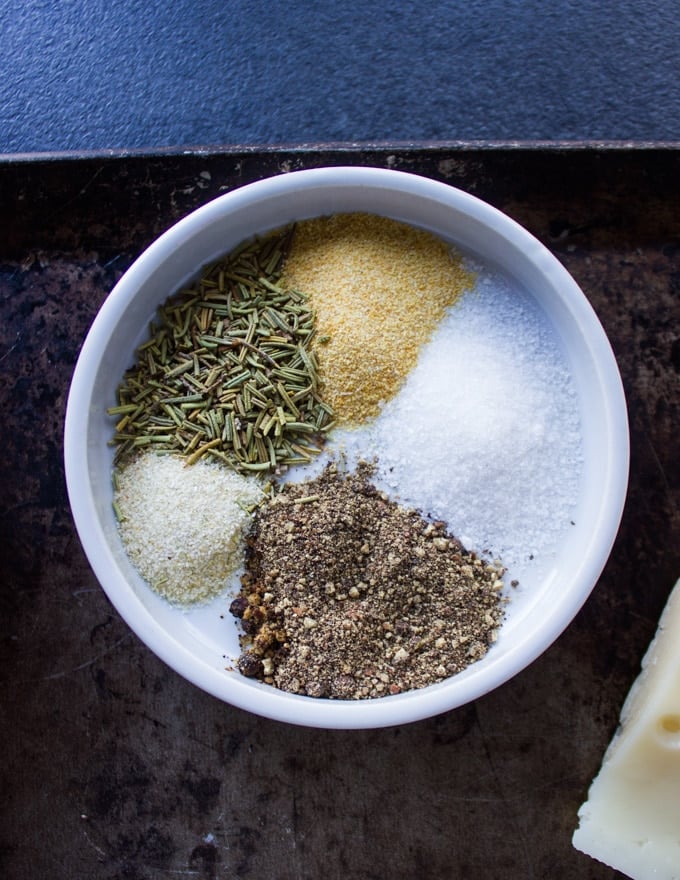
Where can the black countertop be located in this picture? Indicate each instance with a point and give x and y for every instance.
(114, 766)
(83, 75)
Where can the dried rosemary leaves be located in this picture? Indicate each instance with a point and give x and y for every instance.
(228, 371)
(349, 595)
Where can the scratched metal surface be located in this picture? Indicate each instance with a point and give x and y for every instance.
(113, 766)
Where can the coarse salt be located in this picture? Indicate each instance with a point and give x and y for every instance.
(486, 432)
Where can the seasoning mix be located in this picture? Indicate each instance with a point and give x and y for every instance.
(290, 351)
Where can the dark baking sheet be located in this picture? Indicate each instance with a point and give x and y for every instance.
(113, 766)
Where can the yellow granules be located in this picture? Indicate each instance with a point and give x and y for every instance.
(378, 287)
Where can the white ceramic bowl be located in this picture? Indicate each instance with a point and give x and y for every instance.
(195, 644)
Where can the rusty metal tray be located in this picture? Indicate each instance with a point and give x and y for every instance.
(117, 768)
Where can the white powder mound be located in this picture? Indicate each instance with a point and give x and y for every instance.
(183, 526)
(485, 434)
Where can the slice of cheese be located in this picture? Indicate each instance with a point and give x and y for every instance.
(631, 819)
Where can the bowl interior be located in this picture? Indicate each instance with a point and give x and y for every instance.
(202, 643)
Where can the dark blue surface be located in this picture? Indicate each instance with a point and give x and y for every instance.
(96, 74)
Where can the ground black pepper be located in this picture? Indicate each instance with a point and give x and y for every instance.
(348, 595)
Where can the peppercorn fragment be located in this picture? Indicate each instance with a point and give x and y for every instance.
(343, 623)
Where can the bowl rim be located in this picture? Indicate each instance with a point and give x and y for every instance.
(264, 700)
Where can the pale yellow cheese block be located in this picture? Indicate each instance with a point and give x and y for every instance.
(631, 819)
